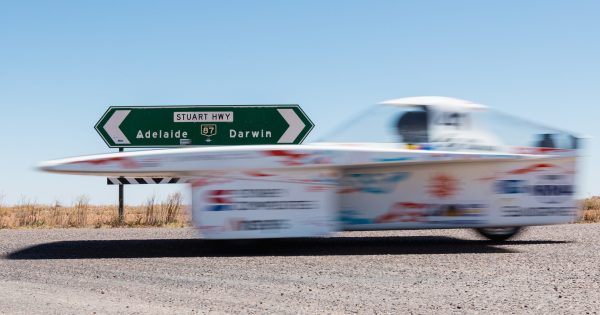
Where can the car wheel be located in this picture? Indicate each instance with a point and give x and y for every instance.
(499, 234)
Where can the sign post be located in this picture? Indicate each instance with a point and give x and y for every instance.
(175, 126)
(121, 203)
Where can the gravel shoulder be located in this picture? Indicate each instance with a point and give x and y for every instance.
(551, 269)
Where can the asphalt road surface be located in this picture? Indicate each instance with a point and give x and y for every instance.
(549, 270)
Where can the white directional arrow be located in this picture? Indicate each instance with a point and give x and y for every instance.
(295, 125)
(112, 127)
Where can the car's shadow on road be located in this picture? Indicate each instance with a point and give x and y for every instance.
(156, 248)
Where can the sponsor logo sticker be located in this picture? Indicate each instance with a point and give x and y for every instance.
(443, 186)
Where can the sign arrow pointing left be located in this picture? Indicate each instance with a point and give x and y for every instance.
(112, 126)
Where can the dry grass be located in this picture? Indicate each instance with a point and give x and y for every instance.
(590, 210)
(170, 212)
(28, 214)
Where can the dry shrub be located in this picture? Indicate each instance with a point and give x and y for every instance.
(590, 210)
(165, 213)
(171, 207)
(592, 203)
(4, 214)
(78, 217)
(152, 216)
(28, 213)
(56, 217)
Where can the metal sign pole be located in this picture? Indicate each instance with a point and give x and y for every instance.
(121, 208)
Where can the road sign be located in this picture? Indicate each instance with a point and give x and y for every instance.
(169, 126)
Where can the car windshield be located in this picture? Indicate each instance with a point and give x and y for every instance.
(476, 130)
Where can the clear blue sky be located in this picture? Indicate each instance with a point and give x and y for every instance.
(62, 63)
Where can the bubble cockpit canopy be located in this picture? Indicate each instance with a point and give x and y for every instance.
(443, 123)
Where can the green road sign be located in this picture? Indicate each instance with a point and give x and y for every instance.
(169, 126)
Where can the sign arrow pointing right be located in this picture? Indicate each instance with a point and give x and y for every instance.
(112, 126)
(295, 125)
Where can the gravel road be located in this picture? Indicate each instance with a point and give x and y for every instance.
(554, 269)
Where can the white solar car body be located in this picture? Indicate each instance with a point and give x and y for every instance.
(411, 163)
